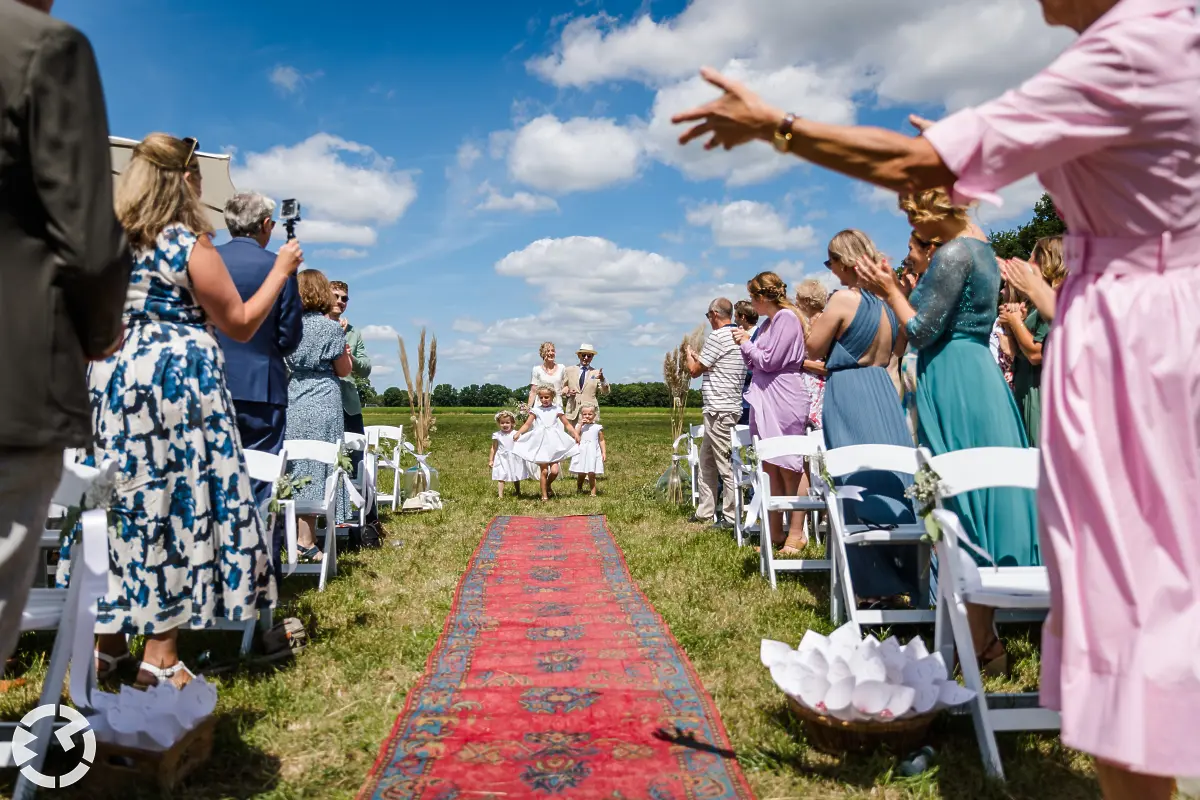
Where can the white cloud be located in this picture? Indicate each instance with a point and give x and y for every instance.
(468, 154)
(381, 332)
(467, 325)
(795, 273)
(287, 78)
(745, 223)
(1018, 200)
(462, 350)
(347, 189)
(982, 47)
(651, 334)
(324, 231)
(593, 276)
(381, 370)
(580, 154)
(340, 253)
(520, 201)
(690, 305)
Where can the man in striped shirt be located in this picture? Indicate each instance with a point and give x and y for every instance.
(720, 363)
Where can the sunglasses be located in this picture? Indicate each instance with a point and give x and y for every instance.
(926, 244)
(341, 298)
(192, 145)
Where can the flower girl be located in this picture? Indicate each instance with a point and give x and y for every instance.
(548, 443)
(592, 455)
(506, 466)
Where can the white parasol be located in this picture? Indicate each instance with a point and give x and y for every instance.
(214, 170)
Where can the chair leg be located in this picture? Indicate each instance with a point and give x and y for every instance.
(984, 734)
(248, 637)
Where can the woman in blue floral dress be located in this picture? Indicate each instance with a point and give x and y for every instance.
(315, 399)
(186, 544)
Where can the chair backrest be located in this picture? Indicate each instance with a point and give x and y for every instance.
(264, 466)
(696, 431)
(312, 450)
(855, 458)
(77, 479)
(777, 446)
(355, 441)
(376, 432)
(985, 468)
(740, 436)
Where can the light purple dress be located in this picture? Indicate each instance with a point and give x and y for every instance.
(778, 396)
(1112, 129)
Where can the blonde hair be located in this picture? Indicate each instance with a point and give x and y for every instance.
(500, 415)
(315, 294)
(546, 347)
(771, 287)
(545, 388)
(153, 191)
(932, 205)
(850, 245)
(590, 407)
(811, 297)
(1048, 255)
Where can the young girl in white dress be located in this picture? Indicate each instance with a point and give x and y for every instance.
(547, 443)
(506, 466)
(592, 455)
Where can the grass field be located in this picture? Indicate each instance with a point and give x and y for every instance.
(311, 729)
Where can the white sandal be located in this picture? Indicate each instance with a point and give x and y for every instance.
(161, 673)
(110, 664)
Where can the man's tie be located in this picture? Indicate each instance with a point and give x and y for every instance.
(582, 376)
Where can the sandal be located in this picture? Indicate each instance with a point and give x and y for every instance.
(110, 665)
(161, 674)
(997, 665)
(312, 555)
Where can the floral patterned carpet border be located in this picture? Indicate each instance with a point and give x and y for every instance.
(554, 676)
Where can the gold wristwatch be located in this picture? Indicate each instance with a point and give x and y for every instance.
(783, 134)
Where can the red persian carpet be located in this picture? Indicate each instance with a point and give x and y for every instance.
(555, 677)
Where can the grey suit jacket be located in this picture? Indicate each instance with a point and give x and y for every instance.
(64, 264)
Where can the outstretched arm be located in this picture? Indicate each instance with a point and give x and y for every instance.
(570, 428)
(524, 428)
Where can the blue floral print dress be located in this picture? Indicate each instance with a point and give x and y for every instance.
(185, 544)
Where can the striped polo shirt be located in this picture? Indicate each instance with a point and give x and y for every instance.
(721, 389)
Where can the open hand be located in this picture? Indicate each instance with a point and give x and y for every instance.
(740, 336)
(516, 435)
(345, 323)
(876, 277)
(736, 117)
(1021, 275)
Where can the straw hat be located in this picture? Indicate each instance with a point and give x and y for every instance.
(585, 348)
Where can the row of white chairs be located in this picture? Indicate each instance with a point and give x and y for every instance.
(1019, 594)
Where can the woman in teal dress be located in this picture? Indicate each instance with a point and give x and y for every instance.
(962, 398)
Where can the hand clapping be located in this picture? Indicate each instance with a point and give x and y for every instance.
(740, 336)
(877, 277)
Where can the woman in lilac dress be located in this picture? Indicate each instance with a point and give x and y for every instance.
(777, 395)
(1112, 130)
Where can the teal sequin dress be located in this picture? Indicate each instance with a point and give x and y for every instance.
(963, 400)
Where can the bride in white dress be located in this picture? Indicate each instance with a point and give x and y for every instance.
(549, 374)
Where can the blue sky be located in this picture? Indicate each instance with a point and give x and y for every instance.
(503, 172)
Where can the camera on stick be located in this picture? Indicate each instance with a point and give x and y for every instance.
(290, 214)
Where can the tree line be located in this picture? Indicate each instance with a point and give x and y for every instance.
(493, 395)
(1019, 242)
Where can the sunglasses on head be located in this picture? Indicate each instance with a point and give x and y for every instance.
(192, 145)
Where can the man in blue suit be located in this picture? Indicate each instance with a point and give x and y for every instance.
(254, 370)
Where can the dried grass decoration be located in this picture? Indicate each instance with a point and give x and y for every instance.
(421, 408)
(679, 382)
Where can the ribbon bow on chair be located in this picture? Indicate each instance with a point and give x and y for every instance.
(422, 464)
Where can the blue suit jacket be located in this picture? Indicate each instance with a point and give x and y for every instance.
(255, 371)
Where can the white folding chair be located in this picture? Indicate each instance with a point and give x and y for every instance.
(71, 613)
(364, 481)
(765, 503)
(839, 463)
(961, 582)
(323, 453)
(695, 434)
(385, 460)
(743, 479)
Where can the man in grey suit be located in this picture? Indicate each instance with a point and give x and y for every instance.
(64, 270)
(582, 384)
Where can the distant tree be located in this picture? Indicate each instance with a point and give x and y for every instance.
(394, 397)
(1019, 242)
(366, 392)
(468, 396)
(493, 394)
(444, 396)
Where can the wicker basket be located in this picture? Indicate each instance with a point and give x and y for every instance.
(839, 737)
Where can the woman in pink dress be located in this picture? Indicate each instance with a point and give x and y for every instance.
(777, 395)
(1112, 129)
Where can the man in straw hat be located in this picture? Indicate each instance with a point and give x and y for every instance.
(581, 385)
